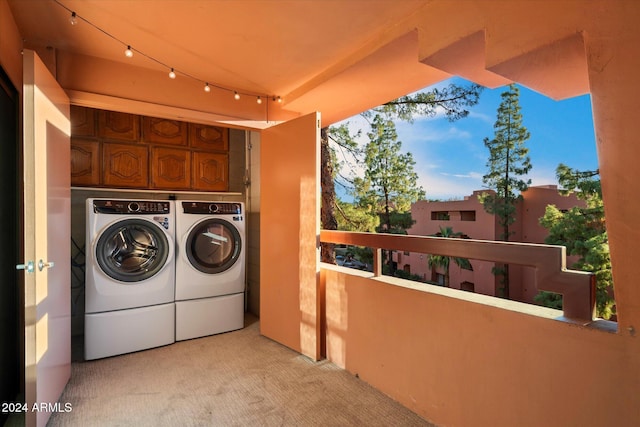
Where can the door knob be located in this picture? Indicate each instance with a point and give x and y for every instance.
(28, 267)
(42, 264)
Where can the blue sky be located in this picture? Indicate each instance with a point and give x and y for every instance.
(451, 157)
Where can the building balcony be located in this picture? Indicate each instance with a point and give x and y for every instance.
(391, 352)
(458, 358)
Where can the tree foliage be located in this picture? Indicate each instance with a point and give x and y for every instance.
(453, 100)
(389, 184)
(351, 217)
(443, 261)
(582, 230)
(344, 153)
(328, 198)
(508, 162)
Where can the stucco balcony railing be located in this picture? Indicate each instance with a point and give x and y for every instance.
(549, 262)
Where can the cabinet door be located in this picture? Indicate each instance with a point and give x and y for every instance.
(115, 125)
(210, 171)
(85, 162)
(125, 165)
(170, 168)
(83, 121)
(210, 138)
(164, 131)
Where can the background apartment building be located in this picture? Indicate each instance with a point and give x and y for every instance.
(469, 218)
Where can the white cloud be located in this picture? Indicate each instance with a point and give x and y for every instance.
(445, 185)
(482, 117)
(470, 175)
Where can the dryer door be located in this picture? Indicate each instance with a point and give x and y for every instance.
(213, 245)
(132, 250)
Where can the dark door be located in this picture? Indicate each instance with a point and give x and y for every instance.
(11, 370)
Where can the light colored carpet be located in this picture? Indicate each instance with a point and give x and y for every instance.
(235, 379)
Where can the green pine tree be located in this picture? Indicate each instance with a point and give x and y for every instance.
(389, 184)
(508, 162)
(339, 147)
(582, 231)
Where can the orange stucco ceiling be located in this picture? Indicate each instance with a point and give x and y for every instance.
(339, 57)
(274, 48)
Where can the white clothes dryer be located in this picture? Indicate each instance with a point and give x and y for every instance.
(210, 268)
(129, 277)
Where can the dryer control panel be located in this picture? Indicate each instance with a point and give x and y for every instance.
(131, 207)
(203, 208)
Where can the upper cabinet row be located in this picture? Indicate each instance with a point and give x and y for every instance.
(120, 150)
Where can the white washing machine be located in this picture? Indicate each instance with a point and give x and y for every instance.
(130, 276)
(210, 268)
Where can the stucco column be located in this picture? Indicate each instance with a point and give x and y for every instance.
(615, 91)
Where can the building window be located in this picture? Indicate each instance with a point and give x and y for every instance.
(468, 215)
(467, 286)
(440, 216)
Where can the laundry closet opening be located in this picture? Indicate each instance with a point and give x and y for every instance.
(126, 158)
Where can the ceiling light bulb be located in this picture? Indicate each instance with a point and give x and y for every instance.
(128, 53)
(236, 95)
(259, 100)
(279, 100)
(73, 19)
(207, 88)
(172, 74)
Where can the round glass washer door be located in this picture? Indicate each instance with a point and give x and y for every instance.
(213, 245)
(132, 250)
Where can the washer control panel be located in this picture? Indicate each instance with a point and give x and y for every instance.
(141, 207)
(220, 208)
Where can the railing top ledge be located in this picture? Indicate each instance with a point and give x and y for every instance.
(577, 287)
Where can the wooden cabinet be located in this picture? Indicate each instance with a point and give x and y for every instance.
(210, 138)
(164, 131)
(210, 171)
(85, 162)
(115, 125)
(121, 150)
(125, 165)
(170, 168)
(83, 121)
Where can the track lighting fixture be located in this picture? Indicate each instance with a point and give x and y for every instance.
(207, 88)
(172, 74)
(236, 95)
(128, 53)
(73, 19)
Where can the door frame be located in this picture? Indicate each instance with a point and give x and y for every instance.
(15, 338)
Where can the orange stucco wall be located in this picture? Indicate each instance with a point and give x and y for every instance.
(485, 227)
(615, 94)
(460, 359)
